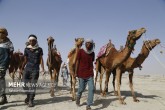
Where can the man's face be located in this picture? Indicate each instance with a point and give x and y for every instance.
(32, 42)
(89, 46)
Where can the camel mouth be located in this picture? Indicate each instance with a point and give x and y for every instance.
(139, 33)
(157, 41)
(143, 30)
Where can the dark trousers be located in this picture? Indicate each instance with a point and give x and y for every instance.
(2, 82)
(30, 78)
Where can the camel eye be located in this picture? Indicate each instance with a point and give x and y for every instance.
(134, 32)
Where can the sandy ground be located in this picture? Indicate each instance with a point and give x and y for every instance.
(150, 90)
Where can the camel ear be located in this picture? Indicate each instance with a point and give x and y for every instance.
(47, 39)
(145, 41)
(76, 39)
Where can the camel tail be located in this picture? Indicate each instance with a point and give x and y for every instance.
(98, 66)
(98, 70)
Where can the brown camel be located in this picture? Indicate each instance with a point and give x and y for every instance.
(54, 61)
(116, 58)
(16, 62)
(72, 60)
(130, 64)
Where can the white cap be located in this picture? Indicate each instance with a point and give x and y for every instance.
(89, 40)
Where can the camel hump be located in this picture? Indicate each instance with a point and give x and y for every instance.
(105, 50)
(72, 51)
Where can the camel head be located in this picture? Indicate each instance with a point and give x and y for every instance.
(79, 42)
(150, 44)
(133, 36)
(50, 41)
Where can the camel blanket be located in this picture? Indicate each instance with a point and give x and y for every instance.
(103, 50)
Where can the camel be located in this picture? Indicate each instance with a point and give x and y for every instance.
(72, 60)
(16, 62)
(130, 64)
(54, 62)
(115, 58)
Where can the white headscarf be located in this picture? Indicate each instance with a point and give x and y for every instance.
(30, 46)
(91, 41)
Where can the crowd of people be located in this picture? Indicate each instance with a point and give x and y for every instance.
(33, 61)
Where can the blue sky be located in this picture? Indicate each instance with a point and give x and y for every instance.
(100, 20)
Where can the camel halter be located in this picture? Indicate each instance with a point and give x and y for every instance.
(130, 45)
(153, 54)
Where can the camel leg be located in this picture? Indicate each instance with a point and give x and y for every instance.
(55, 75)
(101, 79)
(131, 86)
(52, 88)
(71, 83)
(52, 84)
(56, 79)
(13, 75)
(20, 75)
(73, 88)
(118, 76)
(113, 82)
(96, 78)
(106, 82)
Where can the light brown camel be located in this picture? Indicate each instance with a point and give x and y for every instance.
(115, 58)
(16, 62)
(72, 60)
(54, 61)
(130, 64)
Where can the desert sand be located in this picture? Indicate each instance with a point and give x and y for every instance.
(149, 89)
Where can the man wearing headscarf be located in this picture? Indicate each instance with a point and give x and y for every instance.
(84, 72)
(33, 58)
(6, 51)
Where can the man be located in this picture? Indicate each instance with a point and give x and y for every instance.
(6, 51)
(84, 72)
(33, 58)
(65, 74)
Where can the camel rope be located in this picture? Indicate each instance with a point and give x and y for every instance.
(162, 46)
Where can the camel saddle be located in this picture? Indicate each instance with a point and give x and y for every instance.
(105, 50)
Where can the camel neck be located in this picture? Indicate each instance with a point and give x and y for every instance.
(124, 54)
(141, 56)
